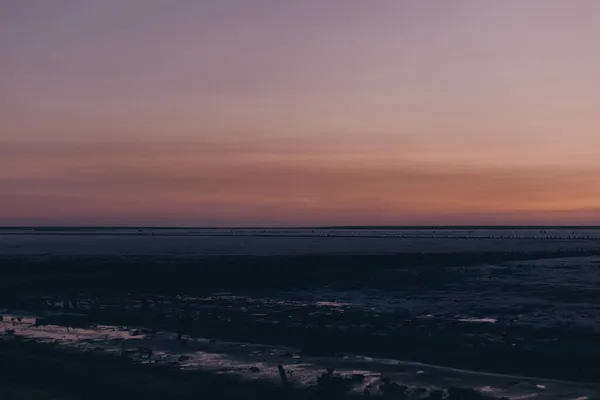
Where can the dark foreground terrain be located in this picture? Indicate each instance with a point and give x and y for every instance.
(41, 371)
(520, 323)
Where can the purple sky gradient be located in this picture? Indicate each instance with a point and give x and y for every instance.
(223, 112)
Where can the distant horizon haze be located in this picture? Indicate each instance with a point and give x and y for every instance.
(307, 227)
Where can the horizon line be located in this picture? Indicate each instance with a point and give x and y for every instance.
(398, 227)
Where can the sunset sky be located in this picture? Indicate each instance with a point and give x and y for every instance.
(299, 112)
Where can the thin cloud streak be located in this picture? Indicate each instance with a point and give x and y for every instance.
(144, 183)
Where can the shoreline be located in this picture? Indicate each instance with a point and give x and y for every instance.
(28, 356)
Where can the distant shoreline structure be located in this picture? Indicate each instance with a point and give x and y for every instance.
(335, 227)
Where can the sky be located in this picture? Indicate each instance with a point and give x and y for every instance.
(299, 113)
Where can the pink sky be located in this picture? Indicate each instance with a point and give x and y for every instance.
(267, 112)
